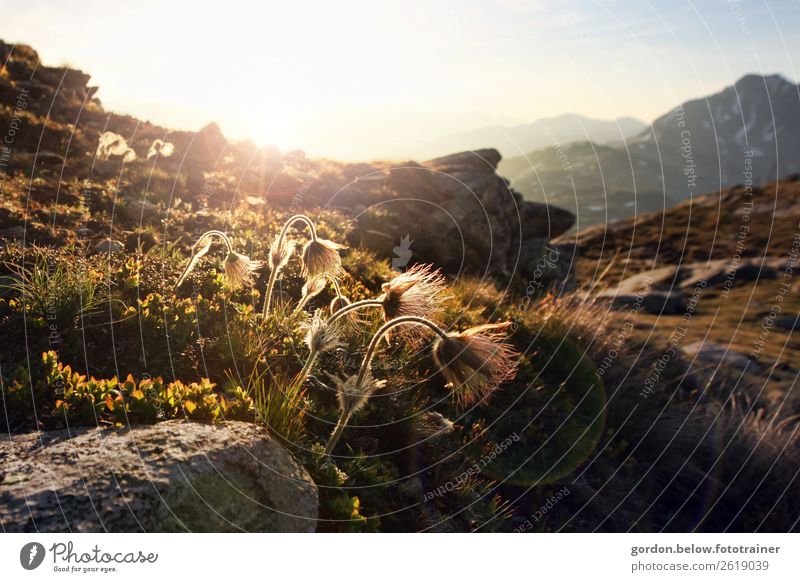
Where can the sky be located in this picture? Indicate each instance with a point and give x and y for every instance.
(354, 79)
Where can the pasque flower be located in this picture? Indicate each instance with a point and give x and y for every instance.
(320, 256)
(352, 392)
(474, 362)
(239, 268)
(416, 292)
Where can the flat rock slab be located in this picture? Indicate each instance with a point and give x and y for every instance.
(169, 477)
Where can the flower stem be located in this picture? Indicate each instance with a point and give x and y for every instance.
(273, 276)
(373, 344)
(336, 434)
(352, 307)
(303, 374)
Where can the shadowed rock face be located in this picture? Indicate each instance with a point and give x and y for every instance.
(168, 477)
(462, 216)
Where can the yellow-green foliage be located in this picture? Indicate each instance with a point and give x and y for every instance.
(90, 400)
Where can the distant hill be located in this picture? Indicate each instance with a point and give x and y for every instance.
(542, 133)
(748, 131)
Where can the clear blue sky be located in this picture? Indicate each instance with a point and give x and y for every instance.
(352, 78)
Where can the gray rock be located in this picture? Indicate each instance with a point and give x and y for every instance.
(480, 161)
(108, 246)
(717, 272)
(788, 322)
(15, 232)
(651, 291)
(714, 354)
(171, 476)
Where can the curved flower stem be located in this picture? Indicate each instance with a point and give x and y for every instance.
(367, 361)
(302, 374)
(273, 276)
(302, 303)
(352, 307)
(336, 434)
(225, 238)
(193, 259)
(335, 284)
(373, 344)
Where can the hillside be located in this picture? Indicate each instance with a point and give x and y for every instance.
(543, 133)
(205, 336)
(746, 131)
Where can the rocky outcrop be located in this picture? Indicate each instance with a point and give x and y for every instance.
(171, 476)
(459, 214)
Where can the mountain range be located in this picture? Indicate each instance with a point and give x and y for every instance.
(566, 128)
(746, 133)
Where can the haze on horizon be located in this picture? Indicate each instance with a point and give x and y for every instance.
(357, 80)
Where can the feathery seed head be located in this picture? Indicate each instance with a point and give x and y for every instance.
(313, 287)
(280, 252)
(417, 291)
(414, 292)
(320, 337)
(475, 361)
(353, 395)
(240, 269)
(321, 257)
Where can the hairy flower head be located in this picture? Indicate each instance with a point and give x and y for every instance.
(418, 292)
(353, 395)
(319, 335)
(280, 252)
(414, 292)
(321, 257)
(240, 269)
(475, 361)
(313, 287)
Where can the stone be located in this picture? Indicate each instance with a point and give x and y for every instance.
(651, 291)
(714, 354)
(717, 272)
(788, 322)
(168, 477)
(108, 246)
(549, 221)
(484, 160)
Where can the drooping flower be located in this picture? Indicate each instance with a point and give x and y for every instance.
(280, 252)
(321, 258)
(415, 292)
(199, 249)
(320, 336)
(475, 361)
(240, 269)
(311, 288)
(352, 392)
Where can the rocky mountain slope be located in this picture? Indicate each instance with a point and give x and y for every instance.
(747, 131)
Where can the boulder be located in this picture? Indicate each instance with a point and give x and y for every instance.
(651, 291)
(460, 215)
(168, 477)
(713, 354)
(108, 246)
(478, 161)
(788, 322)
